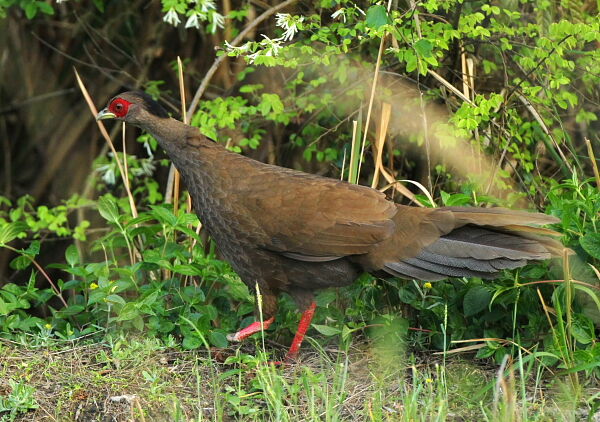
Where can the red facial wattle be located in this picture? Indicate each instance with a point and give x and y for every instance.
(119, 107)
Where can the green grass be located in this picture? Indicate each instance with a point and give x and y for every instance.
(135, 378)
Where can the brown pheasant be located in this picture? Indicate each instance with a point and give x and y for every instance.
(294, 232)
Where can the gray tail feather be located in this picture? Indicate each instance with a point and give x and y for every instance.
(470, 251)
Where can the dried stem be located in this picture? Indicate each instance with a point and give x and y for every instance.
(104, 133)
(385, 120)
(593, 160)
(371, 99)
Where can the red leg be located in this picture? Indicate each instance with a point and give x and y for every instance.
(255, 327)
(307, 317)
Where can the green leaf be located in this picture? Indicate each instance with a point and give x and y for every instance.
(20, 263)
(191, 342)
(71, 284)
(70, 310)
(326, 330)
(194, 294)
(128, 312)
(325, 297)
(476, 300)
(150, 299)
(5, 308)
(45, 8)
(72, 255)
(251, 88)
(99, 5)
(270, 102)
(411, 61)
(591, 244)
(164, 215)
(116, 299)
(188, 269)
(217, 339)
(33, 249)
(377, 17)
(108, 209)
(138, 323)
(11, 231)
(424, 48)
(31, 10)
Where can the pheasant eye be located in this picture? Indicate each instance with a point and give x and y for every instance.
(119, 107)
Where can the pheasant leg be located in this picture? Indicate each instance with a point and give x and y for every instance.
(307, 317)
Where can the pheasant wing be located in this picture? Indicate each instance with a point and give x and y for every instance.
(315, 219)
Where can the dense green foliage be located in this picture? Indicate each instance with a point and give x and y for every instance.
(531, 97)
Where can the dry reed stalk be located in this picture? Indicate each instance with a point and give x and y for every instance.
(176, 175)
(546, 309)
(397, 184)
(352, 177)
(385, 121)
(593, 160)
(125, 166)
(343, 165)
(371, 100)
(104, 133)
(496, 339)
(379, 169)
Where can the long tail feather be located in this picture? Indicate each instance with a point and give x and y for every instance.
(484, 242)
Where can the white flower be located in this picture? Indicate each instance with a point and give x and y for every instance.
(148, 149)
(289, 23)
(172, 17)
(60, 1)
(271, 46)
(241, 49)
(206, 5)
(252, 57)
(107, 173)
(267, 47)
(341, 11)
(217, 21)
(192, 21)
(281, 20)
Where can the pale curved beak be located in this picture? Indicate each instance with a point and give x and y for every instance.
(105, 114)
